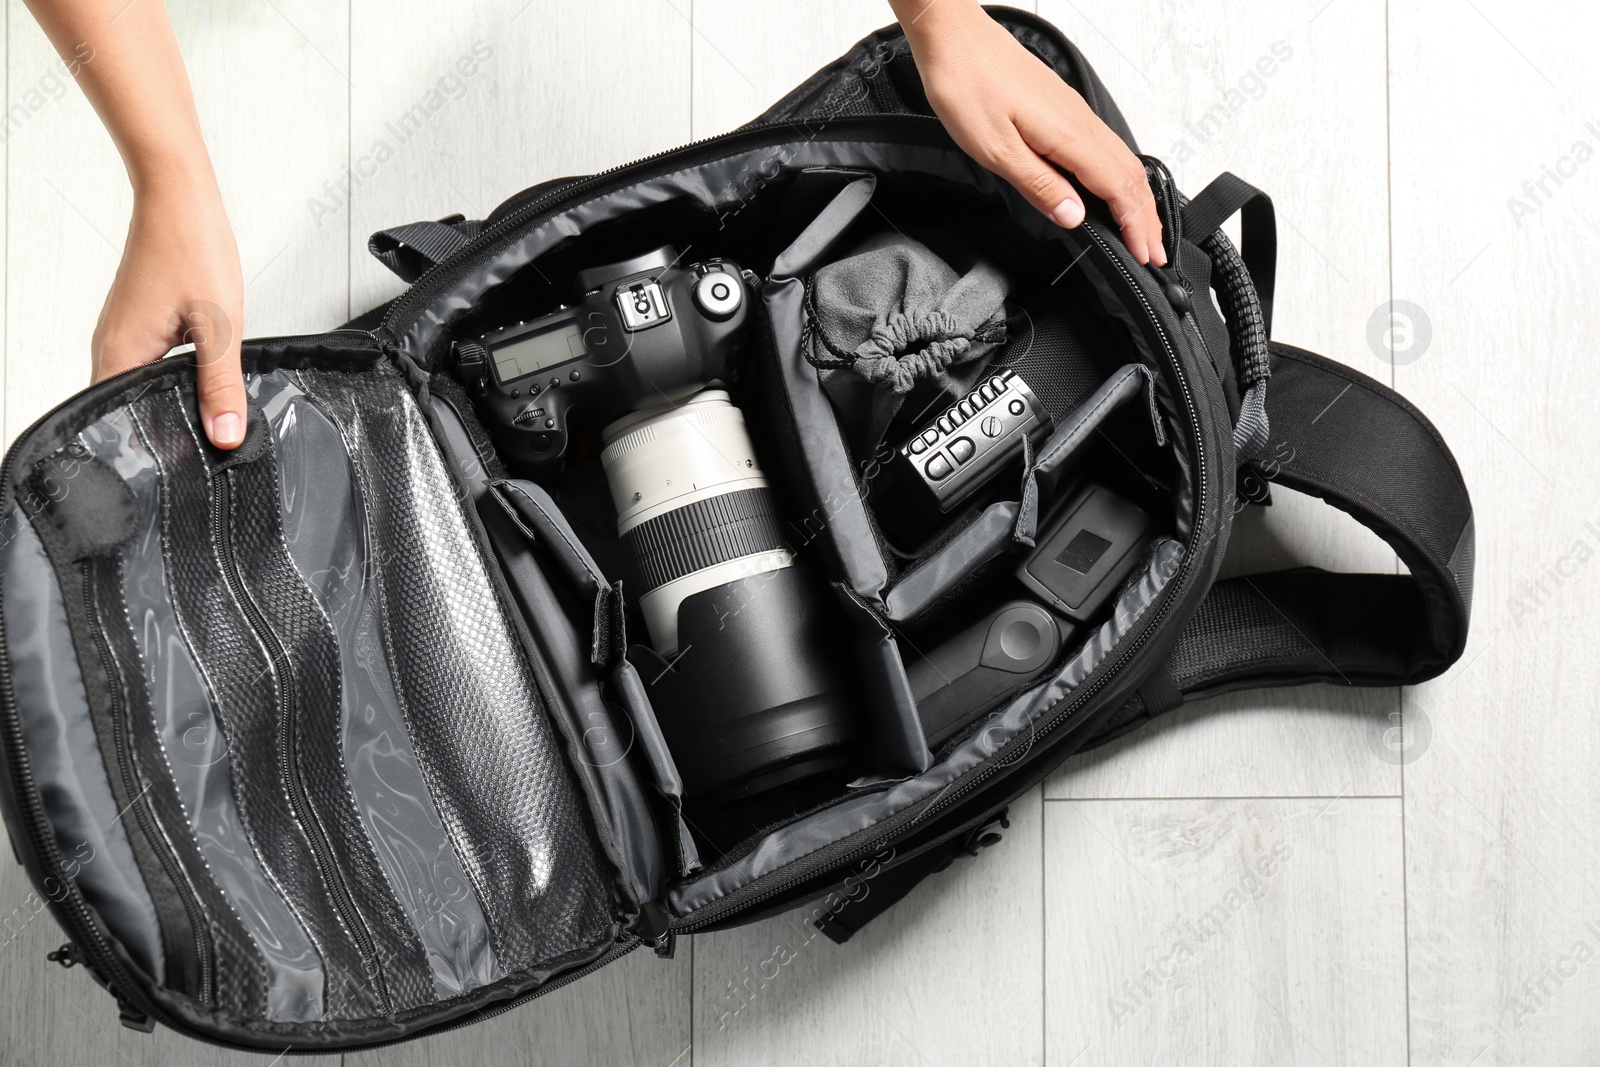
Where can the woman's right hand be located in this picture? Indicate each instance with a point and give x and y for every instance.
(179, 282)
(1016, 116)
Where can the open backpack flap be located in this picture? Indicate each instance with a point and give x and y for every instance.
(362, 731)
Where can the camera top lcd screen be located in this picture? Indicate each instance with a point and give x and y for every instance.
(532, 354)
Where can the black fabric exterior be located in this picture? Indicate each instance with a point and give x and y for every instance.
(883, 892)
(1364, 449)
(1258, 229)
(412, 249)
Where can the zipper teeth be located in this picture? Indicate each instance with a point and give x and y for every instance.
(758, 135)
(339, 892)
(130, 782)
(42, 838)
(1083, 694)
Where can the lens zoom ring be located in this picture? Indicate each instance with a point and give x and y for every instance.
(703, 534)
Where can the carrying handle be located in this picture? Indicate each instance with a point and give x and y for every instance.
(1244, 284)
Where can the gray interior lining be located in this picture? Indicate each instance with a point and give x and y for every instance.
(716, 186)
(327, 537)
(193, 742)
(804, 836)
(75, 791)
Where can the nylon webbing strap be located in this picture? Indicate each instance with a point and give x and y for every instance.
(1258, 229)
(1361, 447)
(412, 249)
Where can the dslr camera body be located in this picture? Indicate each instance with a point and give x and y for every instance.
(647, 330)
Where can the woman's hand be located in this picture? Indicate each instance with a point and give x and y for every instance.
(179, 278)
(178, 283)
(1015, 116)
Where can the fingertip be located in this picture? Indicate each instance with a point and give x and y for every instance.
(1068, 214)
(1158, 253)
(225, 429)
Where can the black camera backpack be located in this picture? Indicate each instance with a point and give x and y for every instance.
(232, 857)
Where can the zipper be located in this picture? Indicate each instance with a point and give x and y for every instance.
(1081, 696)
(288, 714)
(141, 807)
(95, 949)
(766, 134)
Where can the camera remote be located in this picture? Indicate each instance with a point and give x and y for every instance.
(960, 449)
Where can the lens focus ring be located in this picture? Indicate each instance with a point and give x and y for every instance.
(703, 534)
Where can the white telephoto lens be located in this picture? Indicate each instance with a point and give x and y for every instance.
(693, 508)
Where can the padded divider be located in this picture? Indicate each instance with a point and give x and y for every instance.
(630, 689)
(518, 517)
(487, 748)
(896, 731)
(821, 441)
(997, 529)
(545, 523)
(981, 540)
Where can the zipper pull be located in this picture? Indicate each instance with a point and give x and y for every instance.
(654, 928)
(70, 955)
(132, 1017)
(1162, 187)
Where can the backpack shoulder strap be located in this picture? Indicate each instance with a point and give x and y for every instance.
(1361, 447)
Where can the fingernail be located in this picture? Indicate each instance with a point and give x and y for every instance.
(1068, 213)
(1158, 255)
(227, 429)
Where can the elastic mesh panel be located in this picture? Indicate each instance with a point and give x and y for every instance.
(244, 686)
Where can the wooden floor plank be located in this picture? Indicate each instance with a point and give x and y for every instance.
(1290, 97)
(950, 975)
(1252, 932)
(746, 56)
(272, 107)
(1496, 133)
(456, 107)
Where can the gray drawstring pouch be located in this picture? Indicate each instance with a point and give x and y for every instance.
(892, 314)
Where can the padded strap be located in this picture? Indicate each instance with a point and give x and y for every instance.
(412, 250)
(1258, 229)
(1361, 447)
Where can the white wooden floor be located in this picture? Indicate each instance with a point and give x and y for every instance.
(1439, 905)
